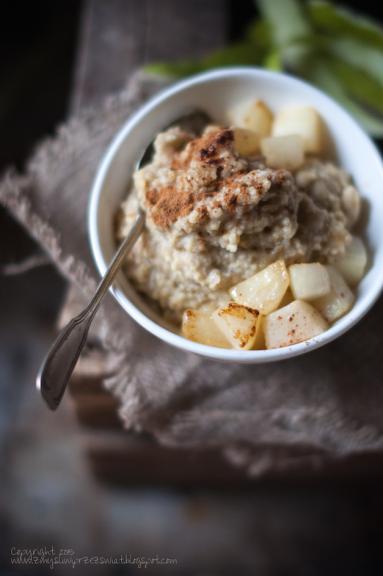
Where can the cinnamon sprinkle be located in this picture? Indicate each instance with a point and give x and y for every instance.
(171, 204)
(168, 203)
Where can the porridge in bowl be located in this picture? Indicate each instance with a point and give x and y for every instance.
(249, 239)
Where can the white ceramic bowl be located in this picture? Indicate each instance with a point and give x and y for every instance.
(216, 92)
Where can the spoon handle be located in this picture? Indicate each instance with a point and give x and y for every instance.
(61, 359)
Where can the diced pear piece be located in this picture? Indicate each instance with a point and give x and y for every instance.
(238, 324)
(265, 290)
(200, 327)
(338, 301)
(254, 115)
(302, 120)
(246, 142)
(352, 265)
(309, 281)
(296, 322)
(283, 151)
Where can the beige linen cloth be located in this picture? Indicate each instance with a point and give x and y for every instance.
(326, 403)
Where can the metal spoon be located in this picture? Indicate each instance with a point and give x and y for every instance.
(61, 360)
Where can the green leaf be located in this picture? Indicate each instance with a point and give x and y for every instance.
(286, 19)
(237, 54)
(174, 69)
(322, 76)
(359, 84)
(357, 54)
(273, 61)
(243, 53)
(335, 21)
(289, 25)
(259, 33)
(251, 52)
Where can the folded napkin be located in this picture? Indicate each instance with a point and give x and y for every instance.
(325, 404)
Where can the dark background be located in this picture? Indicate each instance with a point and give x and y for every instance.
(37, 58)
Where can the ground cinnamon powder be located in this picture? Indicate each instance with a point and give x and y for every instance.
(169, 203)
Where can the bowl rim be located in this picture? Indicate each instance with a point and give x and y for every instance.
(224, 354)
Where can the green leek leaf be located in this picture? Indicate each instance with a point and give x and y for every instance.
(360, 55)
(243, 53)
(322, 76)
(286, 19)
(273, 61)
(359, 84)
(338, 21)
(289, 25)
